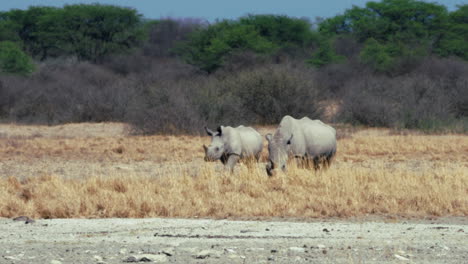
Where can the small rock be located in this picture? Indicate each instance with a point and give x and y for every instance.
(129, 259)
(326, 230)
(207, 253)
(297, 249)
(21, 218)
(271, 258)
(320, 246)
(229, 250)
(10, 258)
(123, 251)
(146, 258)
(152, 258)
(401, 257)
(461, 230)
(168, 252)
(274, 251)
(55, 262)
(98, 258)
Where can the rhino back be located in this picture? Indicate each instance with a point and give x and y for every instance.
(251, 140)
(320, 138)
(232, 141)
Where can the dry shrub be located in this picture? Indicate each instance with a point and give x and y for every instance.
(68, 93)
(422, 99)
(260, 95)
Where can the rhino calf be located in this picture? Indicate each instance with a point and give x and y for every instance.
(230, 144)
(310, 140)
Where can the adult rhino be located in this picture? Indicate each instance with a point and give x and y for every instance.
(310, 140)
(230, 144)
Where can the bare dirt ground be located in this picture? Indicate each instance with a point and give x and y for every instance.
(223, 241)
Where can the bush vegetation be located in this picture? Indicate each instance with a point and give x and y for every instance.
(394, 63)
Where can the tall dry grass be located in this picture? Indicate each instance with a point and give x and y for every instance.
(338, 192)
(375, 173)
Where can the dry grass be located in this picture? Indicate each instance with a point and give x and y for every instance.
(375, 172)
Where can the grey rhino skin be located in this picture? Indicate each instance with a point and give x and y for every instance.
(311, 140)
(230, 144)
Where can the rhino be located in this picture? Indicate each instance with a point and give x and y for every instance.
(313, 141)
(230, 144)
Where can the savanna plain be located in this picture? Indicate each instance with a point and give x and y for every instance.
(412, 180)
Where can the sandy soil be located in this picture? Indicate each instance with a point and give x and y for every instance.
(223, 241)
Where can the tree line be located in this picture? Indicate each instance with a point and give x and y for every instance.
(384, 42)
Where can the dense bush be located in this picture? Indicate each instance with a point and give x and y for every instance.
(260, 95)
(67, 93)
(394, 63)
(418, 100)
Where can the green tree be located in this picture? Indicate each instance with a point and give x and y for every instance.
(282, 30)
(454, 39)
(24, 23)
(13, 60)
(208, 47)
(263, 34)
(325, 54)
(396, 32)
(8, 30)
(91, 32)
(377, 55)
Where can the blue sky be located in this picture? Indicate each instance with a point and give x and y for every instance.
(213, 9)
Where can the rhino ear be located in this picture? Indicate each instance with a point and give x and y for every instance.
(209, 131)
(268, 137)
(289, 140)
(220, 130)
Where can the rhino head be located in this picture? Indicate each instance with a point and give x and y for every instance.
(278, 148)
(216, 148)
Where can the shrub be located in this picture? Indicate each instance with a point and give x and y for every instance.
(71, 93)
(261, 95)
(431, 98)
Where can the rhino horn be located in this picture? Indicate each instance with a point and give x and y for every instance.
(209, 131)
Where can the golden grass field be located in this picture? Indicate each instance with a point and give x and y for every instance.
(98, 171)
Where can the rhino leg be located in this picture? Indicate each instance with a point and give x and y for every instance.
(231, 162)
(306, 162)
(317, 161)
(258, 156)
(224, 158)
